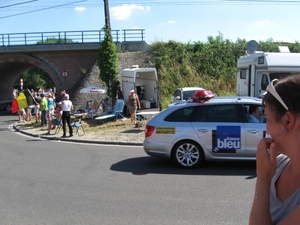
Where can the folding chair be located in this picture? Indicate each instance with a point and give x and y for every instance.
(117, 112)
(77, 126)
(58, 126)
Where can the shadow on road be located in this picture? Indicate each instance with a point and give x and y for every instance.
(147, 165)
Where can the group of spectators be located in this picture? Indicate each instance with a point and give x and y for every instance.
(42, 107)
(50, 110)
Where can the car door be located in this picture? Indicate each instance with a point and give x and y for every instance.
(220, 129)
(254, 132)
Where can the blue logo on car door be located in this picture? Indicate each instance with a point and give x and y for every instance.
(226, 139)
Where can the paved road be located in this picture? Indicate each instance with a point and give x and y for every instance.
(52, 182)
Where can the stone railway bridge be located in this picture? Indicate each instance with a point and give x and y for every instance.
(71, 67)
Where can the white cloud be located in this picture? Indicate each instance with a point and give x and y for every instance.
(170, 21)
(262, 23)
(124, 11)
(80, 8)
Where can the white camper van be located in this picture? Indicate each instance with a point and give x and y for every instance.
(257, 69)
(145, 83)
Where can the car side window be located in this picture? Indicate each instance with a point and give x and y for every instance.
(255, 114)
(188, 94)
(181, 115)
(220, 113)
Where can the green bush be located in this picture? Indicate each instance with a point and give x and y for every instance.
(211, 65)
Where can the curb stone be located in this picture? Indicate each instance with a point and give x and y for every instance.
(74, 139)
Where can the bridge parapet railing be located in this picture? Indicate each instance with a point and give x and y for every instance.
(133, 35)
(69, 37)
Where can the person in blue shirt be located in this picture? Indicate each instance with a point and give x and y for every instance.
(253, 116)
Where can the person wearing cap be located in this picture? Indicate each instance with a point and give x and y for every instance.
(66, 107)
(133, 104)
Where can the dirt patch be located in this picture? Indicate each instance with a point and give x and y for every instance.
(119, 130)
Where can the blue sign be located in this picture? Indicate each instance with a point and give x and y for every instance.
(226, 139)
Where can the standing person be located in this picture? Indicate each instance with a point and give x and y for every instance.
(142, 93)
(277, 190)
(44, 109)
(14, 93)
(55, 120)
(28, 113)
(66, 106)
(50, 101)
(50, 105)
(119, 93)
(133, 104)
(37, 111)
(62, 94)
(56, 98)
(21, 115)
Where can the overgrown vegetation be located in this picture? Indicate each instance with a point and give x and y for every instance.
(55, 41)
(108, 63)
(211, 65)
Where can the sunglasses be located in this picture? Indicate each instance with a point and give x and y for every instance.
(273, 92)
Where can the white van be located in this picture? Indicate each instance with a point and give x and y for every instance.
(145, 83)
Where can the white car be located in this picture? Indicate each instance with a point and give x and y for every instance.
(205, 128)
(184, 93)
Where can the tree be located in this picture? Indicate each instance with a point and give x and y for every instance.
(34, 79)
(108, 63)
(56, 41)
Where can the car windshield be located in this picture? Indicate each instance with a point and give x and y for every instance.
(188, 94)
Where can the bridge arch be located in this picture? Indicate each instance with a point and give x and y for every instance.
(13, 65)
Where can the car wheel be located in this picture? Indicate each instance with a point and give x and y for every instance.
(188, 154)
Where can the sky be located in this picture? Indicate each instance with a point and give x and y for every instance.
(163, 20)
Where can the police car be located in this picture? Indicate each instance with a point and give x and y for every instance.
(206, 128)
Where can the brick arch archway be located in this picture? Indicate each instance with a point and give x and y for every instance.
(11, 66)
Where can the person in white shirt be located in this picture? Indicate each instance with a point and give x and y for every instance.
(67, 107)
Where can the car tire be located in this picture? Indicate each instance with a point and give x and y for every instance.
(188, 154)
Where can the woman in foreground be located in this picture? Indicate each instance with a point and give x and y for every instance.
(277, 190)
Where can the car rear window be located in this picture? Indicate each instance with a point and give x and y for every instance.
(220, 113)
(181, 115)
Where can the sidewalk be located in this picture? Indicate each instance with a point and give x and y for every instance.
(117, 138)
